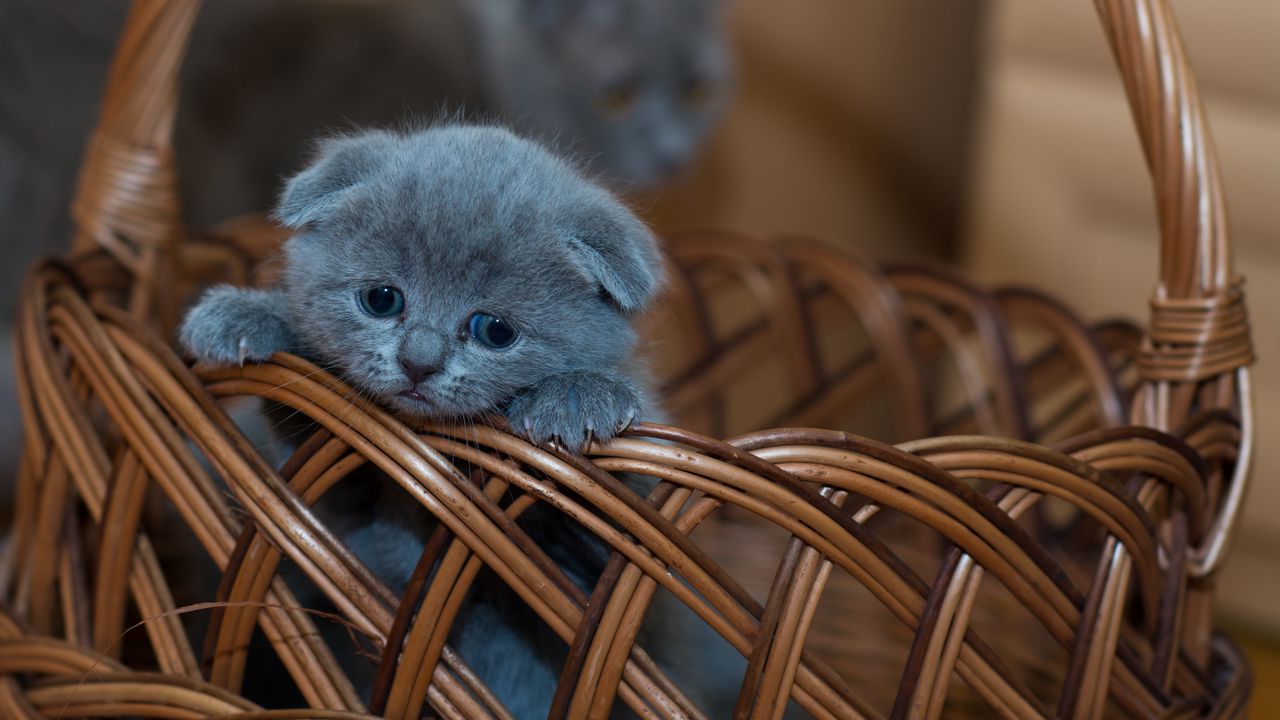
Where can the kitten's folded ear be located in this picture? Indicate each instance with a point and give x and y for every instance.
(613, 248)
(339, 164)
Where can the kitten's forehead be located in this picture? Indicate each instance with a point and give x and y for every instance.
(460, 178)
(474, 195)
(460, 211)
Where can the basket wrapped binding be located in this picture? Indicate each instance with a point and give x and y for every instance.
(1047, 551)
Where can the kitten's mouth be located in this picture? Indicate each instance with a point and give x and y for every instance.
(416, 403)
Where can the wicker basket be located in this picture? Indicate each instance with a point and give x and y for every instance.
(1058, 564)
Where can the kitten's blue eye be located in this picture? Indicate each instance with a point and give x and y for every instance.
(491, 330)
(382, 301)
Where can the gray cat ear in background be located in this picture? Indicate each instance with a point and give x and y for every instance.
(613, 248)
(340, 164)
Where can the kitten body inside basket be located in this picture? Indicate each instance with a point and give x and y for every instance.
(449, 273)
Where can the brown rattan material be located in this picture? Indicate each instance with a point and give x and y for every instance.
(1048, 552)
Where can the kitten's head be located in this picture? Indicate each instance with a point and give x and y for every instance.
(634, 84)
(445, 270)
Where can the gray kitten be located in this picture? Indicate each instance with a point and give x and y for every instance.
(630, 85)
(450, 273)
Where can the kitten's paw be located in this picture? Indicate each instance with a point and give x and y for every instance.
(573, 408)
(232, 325)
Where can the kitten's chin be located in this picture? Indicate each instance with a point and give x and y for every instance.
(424, 406)
(415, 405)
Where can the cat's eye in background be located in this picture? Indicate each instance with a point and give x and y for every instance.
(382, 301)
(491, 330)
(696, 92)
(619, 97)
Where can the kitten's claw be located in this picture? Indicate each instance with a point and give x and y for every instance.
(232, 325)
(601, 407)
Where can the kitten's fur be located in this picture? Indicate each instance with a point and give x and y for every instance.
(462, 219)
(264, 76)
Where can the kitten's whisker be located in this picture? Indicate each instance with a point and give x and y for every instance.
(294, 380)
(275, 440)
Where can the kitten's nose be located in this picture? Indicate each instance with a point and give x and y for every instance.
(417, 372)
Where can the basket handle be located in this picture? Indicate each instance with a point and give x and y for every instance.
(1198, 329)
(1197, 347)
(127, 198)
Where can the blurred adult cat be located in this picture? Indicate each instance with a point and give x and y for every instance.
(631, 86)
